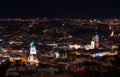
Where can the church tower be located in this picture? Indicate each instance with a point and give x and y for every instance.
(96, 39)
(33, 51)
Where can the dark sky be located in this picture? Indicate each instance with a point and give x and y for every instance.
(59, 8)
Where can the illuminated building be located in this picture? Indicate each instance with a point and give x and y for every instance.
(93, 43)
(57, 55)
(32, 51)
(32, 48)
(76, 46)
(96, 39)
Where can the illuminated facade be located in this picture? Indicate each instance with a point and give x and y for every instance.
(33, 51)
(96, 39)
(76, 46)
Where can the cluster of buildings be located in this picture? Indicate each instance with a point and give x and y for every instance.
(59, 41)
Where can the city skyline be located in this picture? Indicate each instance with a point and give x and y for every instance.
(59, 47)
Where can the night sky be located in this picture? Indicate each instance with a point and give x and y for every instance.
(59, 8)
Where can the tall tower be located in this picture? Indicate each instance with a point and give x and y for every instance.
(96, 38)
(32, 51)
(32, 48)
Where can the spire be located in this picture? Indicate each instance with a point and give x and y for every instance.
(32, 44)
